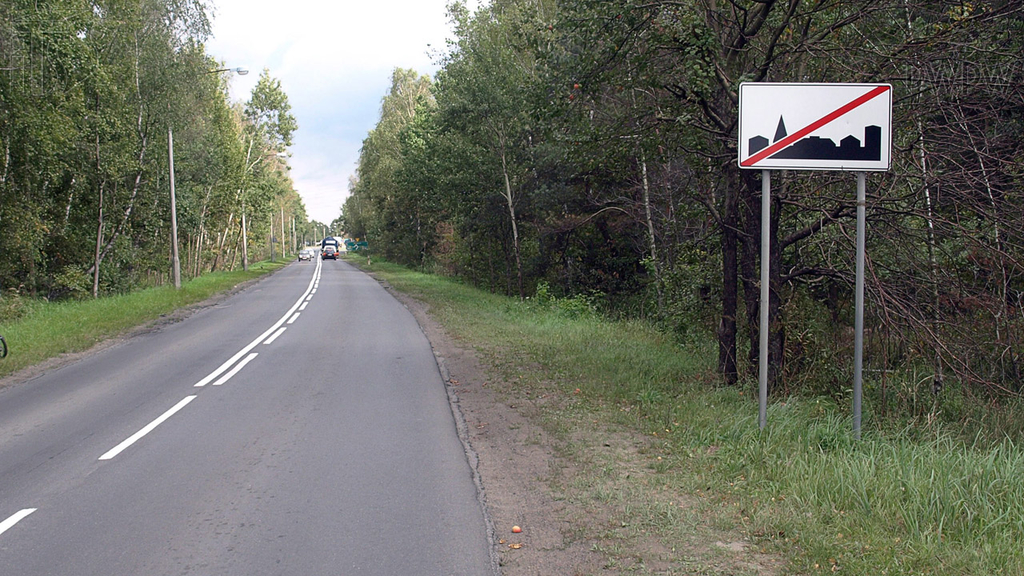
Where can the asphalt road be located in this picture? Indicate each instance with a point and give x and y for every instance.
(217, 445)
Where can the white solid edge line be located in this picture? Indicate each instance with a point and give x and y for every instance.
(276, 334)
(220, 370)
(14, 519)
(236, 369)
(294, 318)
(146, 430)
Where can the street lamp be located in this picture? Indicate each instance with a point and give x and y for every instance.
(241, 71)
(174, 208)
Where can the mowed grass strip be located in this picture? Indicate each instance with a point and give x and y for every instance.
(49, 329)
(899, 501)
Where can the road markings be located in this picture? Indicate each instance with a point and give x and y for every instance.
(14, 519)
(236, 369)
(276, 334)
(276, 330)
(231, 361)
(146, 430)
(303, 307)
(295, 317)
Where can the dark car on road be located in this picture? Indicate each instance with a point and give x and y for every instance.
(329, 249)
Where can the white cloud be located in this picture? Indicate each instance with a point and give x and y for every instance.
(334, 60)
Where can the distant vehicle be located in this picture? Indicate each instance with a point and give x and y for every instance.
(305, 254)
(329, 248)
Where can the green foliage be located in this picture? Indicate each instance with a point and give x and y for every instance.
(72, 282)
(268, 112)
(391, 202)
(89, 95)
(691, 286)
(576, 306)
(590, 145)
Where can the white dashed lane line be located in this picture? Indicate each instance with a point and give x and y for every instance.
(274, 337)
(147, 429)
(267, 337)
(14, 519)
(292, 316)
(305, 296)
(236, 369)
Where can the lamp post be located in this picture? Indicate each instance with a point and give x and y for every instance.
(241, 71)
(174, 208)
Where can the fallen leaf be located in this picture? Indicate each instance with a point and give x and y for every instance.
(515, 546)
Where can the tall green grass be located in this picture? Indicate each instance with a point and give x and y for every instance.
(45, 330)
(901, 501)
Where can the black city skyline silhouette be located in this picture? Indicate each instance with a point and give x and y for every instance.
(818, 148)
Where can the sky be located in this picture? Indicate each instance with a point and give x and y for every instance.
(334, 59)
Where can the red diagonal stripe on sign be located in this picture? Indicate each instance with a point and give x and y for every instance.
(762, 154)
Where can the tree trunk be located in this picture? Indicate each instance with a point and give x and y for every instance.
(749, 268)
(937, 379)
(727, 326)
(220, 243)
(776, 328)
(515, 228)
(97, 256)
(751, 279)
(652, 239)
(245, 243)
(131, 202)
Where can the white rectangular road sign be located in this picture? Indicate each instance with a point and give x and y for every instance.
(815, 126)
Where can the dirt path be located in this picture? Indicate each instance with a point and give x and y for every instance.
(514, 465)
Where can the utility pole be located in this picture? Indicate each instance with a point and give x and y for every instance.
(245, 241)
(174, 212)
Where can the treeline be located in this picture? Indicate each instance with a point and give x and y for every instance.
(91, 93)
(591, 146)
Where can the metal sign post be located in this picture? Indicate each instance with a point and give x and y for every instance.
(858, 323)
(762, 367)
(845, 127)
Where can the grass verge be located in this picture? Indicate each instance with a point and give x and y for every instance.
(46, 330)
(896, 502)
